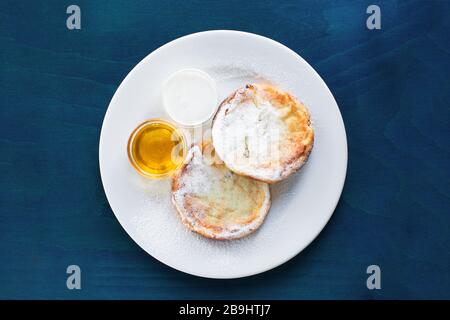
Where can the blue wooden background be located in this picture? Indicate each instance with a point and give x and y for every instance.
(393, 89)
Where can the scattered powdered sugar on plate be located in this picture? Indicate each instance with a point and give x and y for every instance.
(227, 72)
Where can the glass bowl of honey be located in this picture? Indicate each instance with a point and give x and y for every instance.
(156, 148)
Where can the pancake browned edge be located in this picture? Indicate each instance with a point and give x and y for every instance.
(262, 132)
(216, 203)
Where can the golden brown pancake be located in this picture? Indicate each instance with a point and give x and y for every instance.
(262, 132)
(215, 202)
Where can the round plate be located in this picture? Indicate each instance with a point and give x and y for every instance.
(301, 205)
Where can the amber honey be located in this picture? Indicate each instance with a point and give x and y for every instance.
(156, 148)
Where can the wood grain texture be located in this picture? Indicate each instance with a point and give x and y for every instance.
(393, 91)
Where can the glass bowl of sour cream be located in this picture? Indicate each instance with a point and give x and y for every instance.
(190, 97)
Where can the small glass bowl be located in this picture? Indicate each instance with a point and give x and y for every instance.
(132, 140)
(171, 108)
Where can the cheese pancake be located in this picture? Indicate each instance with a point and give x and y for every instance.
(215, 202)
(262, 132)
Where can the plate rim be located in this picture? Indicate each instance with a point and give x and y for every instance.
(345, 152)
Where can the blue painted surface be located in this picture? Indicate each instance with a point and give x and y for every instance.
(392, 86)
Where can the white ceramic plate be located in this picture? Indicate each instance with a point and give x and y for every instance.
(302, 204)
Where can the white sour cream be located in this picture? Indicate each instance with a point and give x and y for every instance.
(190, 97)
